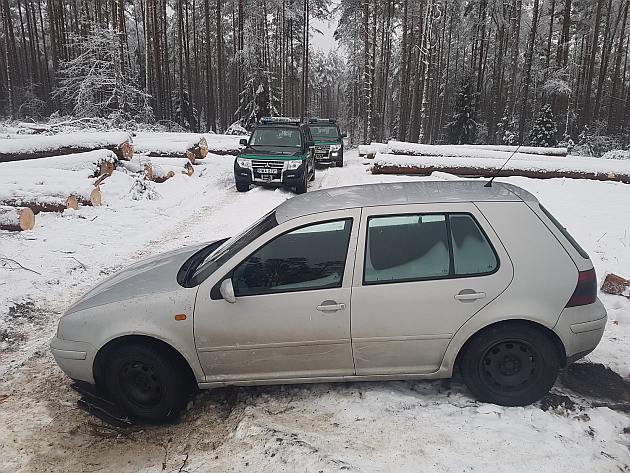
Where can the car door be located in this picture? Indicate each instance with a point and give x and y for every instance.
(422, 271)
(291, 315)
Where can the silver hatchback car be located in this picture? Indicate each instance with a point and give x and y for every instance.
(372, 282)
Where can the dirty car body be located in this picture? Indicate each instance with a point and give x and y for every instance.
(373, 282)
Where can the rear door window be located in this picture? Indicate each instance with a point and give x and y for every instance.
(406, 248)
(415, 247)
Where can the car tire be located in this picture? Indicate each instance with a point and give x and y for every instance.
(511, 364)
(242, 186)
(312, 178)
(339, 162)
(146, 382)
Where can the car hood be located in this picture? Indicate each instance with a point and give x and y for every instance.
(148, 276)
(264, 151)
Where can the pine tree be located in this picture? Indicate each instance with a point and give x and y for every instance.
(462, 129)
(545, 129)
(94, 83)
(507, 131)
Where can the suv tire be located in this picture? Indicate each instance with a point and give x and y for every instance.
(511, 364)
(339, 162)
(242, 187)
(146, 382)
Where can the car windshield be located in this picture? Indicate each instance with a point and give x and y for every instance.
(281, 137)
(324, 132)
(232, 246)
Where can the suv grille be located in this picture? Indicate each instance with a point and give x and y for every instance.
(322, 149)
(257, 163)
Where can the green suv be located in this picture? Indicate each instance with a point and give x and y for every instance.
(279, 152)
(328, 140)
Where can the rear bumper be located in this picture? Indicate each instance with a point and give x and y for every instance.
(581, 329)
(76, 359)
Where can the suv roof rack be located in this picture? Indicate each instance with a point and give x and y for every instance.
(279, 120)
(322, 120)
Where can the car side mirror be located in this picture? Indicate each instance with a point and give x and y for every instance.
(227, 291)
(243, 142)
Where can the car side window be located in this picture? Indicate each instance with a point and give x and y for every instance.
(472, 253)
(415, 247)
(308, 258)
(406, 248)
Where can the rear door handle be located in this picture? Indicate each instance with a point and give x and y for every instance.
(331, 306)
(469, 295)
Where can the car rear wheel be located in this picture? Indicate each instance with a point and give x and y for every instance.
(511, 364)
(147, 383)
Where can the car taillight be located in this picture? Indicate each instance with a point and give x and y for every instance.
(586, 290)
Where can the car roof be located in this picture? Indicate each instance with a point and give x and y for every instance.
(398, 193)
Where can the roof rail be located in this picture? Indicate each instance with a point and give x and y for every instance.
(279, 120)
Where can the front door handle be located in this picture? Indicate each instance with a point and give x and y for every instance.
(331, 306)
(469, 295)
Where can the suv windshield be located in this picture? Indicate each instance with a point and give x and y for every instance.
(232, 246)
(281, 137)
(324, 132)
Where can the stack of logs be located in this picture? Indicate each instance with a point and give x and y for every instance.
(60, 159)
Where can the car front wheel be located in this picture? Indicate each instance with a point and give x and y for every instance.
(242, 186)
(510, 364)
(147, 383)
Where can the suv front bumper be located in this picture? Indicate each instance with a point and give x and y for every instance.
(286, 178)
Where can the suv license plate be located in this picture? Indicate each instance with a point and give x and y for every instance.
(267, 171)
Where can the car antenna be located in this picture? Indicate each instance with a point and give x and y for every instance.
(489, 183)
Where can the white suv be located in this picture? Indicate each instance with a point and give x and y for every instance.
(374, 282)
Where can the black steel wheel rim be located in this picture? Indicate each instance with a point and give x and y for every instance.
(140, 384)
(509, 365)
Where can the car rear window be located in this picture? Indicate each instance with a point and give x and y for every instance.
(565, 233)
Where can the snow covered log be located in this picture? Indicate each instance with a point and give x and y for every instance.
(16, 218)
(373, 148)
(175, 145)
(34, 147)
(48, 190)
(100, 162)
(562, 152)
(575, 168)
(159, 168)
(468, 151)
(224, 144)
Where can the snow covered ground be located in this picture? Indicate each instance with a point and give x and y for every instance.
(393, 426)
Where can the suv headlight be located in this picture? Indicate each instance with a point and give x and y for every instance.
(244, 163)
(293, 164)
(335, 147)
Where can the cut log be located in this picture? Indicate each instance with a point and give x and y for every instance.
(574, 168)
(561, 152)
(16, 218)
(100, 162)
(154, 167)
(30, 147)
(616, 285)
(192, 146)
(372, 148)
(471, 151)
(224, 144)
(47, 190)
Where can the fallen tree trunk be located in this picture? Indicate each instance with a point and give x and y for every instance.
(30, 147)
(224, 144)
(158, 168)
(192, 146)
(373, 148)
(16, 218)
(574, 168)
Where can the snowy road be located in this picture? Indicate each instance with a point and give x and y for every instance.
(396, 426)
